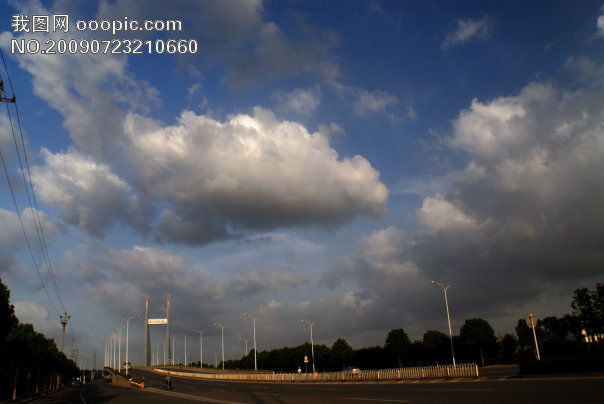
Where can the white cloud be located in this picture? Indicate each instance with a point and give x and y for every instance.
(376, 101)
(252, 170)
(36, 314)
(12, 233)
(300, 101)
(88, 194)
(437, 214)
(467, 30)
(600, 25)
(248, 172)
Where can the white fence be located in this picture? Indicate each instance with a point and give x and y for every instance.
(417, 373)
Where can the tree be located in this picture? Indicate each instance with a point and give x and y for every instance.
(7, 313)
(397, 344)
(437, 345)
(341, 351)
(588, 306)
(507, 348)
(479, 336)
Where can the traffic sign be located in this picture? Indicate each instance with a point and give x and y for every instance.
(305, 359)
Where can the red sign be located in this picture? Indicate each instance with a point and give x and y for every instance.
(305, 359)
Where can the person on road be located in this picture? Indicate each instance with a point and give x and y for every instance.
(168, 382)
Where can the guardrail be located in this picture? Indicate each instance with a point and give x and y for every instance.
(417, 373)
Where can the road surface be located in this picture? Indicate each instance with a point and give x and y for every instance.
(534, 390)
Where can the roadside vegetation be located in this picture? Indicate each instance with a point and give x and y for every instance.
(576, 334)
(30, 363)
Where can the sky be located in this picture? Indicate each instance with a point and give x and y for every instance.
(301, 160)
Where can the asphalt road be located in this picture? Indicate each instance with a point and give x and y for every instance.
(534, 390)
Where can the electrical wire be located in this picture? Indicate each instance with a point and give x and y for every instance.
(33, 206)
(36, 217)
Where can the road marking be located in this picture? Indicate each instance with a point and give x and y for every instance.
(460, 389)
(81, 395)
(190, 396)
(373, 399)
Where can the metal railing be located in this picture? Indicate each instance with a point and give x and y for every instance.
(417, 373)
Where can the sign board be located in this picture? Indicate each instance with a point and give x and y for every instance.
(528, 320)
(305, 359)
(157, 321)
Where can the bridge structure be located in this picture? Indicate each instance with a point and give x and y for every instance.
(156, 321)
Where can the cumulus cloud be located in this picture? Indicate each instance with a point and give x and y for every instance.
(88, 194)
(531, 194)
(248, 172)
(521, 221)
(600, 25)
(252, 171)
(467, 30)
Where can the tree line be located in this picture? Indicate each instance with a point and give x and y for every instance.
(29, 362)
(476, 342)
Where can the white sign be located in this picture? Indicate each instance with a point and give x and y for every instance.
(531, 320)
(157, 321)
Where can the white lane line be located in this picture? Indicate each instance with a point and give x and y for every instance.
(82, 394)
(373, 399)
(190, 396)
(437, 389)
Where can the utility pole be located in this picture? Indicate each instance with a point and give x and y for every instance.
(64, 320)
(12, 100)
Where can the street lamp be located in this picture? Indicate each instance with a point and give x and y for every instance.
(185, 335)
(445, 287)
(127, 320)
(246, 341)
(221, 340)
(312, 344)
(119, 350)
(114, 337)
(200, 347)
(254, 323)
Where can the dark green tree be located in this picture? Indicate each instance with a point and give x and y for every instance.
(397, 344)
(7, 313)
(437, 344)
(478, 335)
(341, 352)
(508, 345)
(588, 307)
(583, 307)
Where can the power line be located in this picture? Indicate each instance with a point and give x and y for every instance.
(36, 217)
(28, 186)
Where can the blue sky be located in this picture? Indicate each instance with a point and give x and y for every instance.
(312, 160)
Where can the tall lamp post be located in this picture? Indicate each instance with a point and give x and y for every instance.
(200, 347)
(254, 323)
(445, 287)
(119, 350)
(221, 340)
(185, 335)
(312, 344)
(127, 320)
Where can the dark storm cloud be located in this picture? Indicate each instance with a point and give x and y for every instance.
(523, 220)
